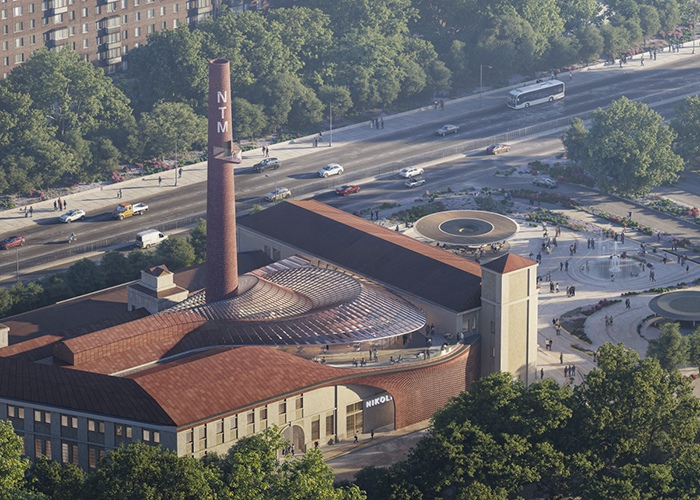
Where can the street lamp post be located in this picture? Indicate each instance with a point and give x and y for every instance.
(17, 262)
(273, 179)
(330, 113)
(481, 80)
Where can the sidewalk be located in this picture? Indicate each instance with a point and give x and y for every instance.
(104, 199)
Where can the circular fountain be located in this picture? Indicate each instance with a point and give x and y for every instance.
(611, 265)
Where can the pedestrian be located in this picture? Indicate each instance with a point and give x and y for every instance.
(179, 173)
(620, 62)
(654, 54)
(60, 203)
(371, 123)
(65, 204)
(557, 329)
(561, 266)
(541, 373)
(556, 288)
(551, 287)
(262, 149)
(628, 304)
(160, 180)
(629, 215)
(571, 77)
(371, 434)
(566, 266)
(561, 358)
(26, 212)
(31, 211)
(642, 60)
(622, 238)
(566, 371)
(381, 122)
(687, 268)
(315, 142)
(356, 437)
(54, 205)
(573, 370)
(320, 136)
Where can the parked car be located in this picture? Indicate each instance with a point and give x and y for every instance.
(415, 181)
(411, 172)
(346, 190)
(11, 242)
(545, 182)
(330, 169)
(494, 149)
(447, 129)
(72, 215)
(267, 164)
(278, 194)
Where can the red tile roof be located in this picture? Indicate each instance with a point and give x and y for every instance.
(509, 263)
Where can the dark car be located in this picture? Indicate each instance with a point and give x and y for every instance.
(346, 190)
(11, 242)
(494, 149)
(267, 164)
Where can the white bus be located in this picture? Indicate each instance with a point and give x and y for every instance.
(537, 93)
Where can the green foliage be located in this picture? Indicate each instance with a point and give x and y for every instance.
(175, 253)
(198, 240)
(694, 348)
(12, 465)
(670, 348)
(686, 125)
(170, 127)
(151, 473)
(627, 149)
(84, 277)
(55, 480)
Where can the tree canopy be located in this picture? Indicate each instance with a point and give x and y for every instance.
(630, 427)
(627, 149)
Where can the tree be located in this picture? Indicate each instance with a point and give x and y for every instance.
(170, 127)
(627, 149)
(686, 125)
(649, 21)
(694, 348)
(248, 119)
(84, 276)
(55, 480)
(591, 43)
(198, 240)
(12, 465)
(175, 253)
(116, 268)
(149, 472)
(671, 348)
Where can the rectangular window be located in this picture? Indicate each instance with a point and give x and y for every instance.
(150, 29)
(138, 16)
(125, 35)
(94, 457)
(31, 8)
(137, 32)
(5, 45)
(122, 431)
(162, 10)
(42, 448)
(85, 11)
(202, 438)
(3, 14)
(111, 7)
(156, 437)
(5, 29)
(316, 429)
(146, 435)
(164, 25)
(17, 11)
(96, 426)
(68, 421)
(15, 412)
(19, 42)
(19, 27)
(6, 61)
(219, 431)
(233, 428)
(175, 24)
(250, 417)
(69, 453)
(86, 27)
(125, 4)
(125, 19)
(137, 3)
(330, 424)
(42, 416)
(176, 8)
(32, 39)
(32, 24)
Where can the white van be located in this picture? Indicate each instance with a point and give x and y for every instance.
(149, 238)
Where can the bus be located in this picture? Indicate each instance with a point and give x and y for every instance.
(537, 93)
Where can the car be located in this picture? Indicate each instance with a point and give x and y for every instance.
(545, 182)
(330, 169)
(447, 129)
(267, 164)
(278, 194)
(11, 242)
(414, 182)
(346, 190)
(494, 149)
(411, 172)
(72, 215)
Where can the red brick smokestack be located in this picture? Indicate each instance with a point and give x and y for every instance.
(222, 261)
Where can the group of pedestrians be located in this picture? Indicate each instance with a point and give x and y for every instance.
(376, 123)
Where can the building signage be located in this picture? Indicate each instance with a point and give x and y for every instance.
(221, 97)
(378, 400)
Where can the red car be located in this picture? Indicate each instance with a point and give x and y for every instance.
(346, 190)
(11, 242)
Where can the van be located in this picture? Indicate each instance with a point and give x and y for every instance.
(149, 238)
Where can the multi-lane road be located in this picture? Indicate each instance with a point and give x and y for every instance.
(373, 162)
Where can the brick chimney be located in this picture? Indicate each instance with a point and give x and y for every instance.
(222, 262)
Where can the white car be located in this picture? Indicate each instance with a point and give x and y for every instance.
(72, 215)
(411, 172)
(447, 129)
(545, 182)
(278, 194)
(330, 169)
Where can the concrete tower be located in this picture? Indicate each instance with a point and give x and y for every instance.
(222, 263)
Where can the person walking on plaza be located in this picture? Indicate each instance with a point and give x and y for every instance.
(561, 358)
(160, 181)
(65, 204)
(54, 205)
(31, 211)
(60, 203)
